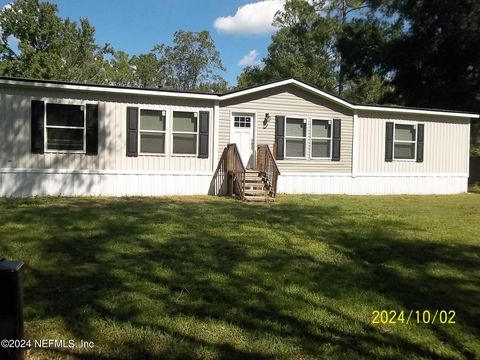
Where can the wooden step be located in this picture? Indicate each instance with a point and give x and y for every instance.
(257, 198)
(254, 180)
(256, 192)
(257, 185)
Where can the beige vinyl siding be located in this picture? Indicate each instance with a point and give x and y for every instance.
(15, 104)
(446, 145)
(223, 129)
(290, 101)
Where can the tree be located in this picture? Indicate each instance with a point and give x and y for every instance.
(435, 60)
(302, 48)
(340, 10)
(147, 70)
(121, 72)
(316, 43)
(252, 76)
(48, 46)
(192, 60)
(217, 85)
(442, 68)
(363, 44)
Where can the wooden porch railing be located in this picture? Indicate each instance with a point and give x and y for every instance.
(267, 165)
(236, 171)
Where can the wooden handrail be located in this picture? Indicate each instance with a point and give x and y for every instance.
(273, 160)
(267, 165)
(236, 169)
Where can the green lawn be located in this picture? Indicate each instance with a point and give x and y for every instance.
(474, 188)
(217, 278)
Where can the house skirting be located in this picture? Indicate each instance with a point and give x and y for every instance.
(31, 182)
(372, 184)
(53, 182)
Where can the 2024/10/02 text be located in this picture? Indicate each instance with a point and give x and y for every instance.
(416, 316)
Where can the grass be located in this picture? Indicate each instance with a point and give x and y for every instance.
(474, 188)
(211, 278)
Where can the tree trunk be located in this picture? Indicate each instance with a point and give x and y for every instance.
(341, 72)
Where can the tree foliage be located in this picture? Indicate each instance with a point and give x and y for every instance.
(415, 53)
(435, 60)
(301, 48)
(36, 43)
(191, 62)
(313, 44)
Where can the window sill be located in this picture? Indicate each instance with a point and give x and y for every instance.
(64, 152)
(151, 155)
(319, 160)
(404, 160)
(184, 155)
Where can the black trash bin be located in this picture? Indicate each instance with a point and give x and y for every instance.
(11, 307)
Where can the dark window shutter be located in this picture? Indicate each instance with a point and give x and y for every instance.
(92, 130)
(389, 142)
(203, 135)
(420, 132)
(37, 134)
(279, 137)
(336, 139)
(132, 131)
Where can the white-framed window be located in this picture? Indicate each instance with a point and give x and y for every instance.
(321, 139)
(152, 132)
(404, 141)
(184, 133)
(65, 128)
(242, 121)
(295, 137)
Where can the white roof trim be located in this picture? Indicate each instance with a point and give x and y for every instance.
(173, 94)
(101, 89)
(416, 111)
(289, 82)
(344, 103)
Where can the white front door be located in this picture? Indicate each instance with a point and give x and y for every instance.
(242, 134)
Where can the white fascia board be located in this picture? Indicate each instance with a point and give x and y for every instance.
(255, 89)
(344, 103)
(416, 111)
(324, 94)
(288, 82)
(311, 89)
(111, 90)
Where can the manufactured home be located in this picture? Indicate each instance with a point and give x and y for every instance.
(60, 138)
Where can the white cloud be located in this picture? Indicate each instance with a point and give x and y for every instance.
(254, 18)
(250, 59)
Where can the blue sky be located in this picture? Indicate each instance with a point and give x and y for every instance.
(241, 28)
